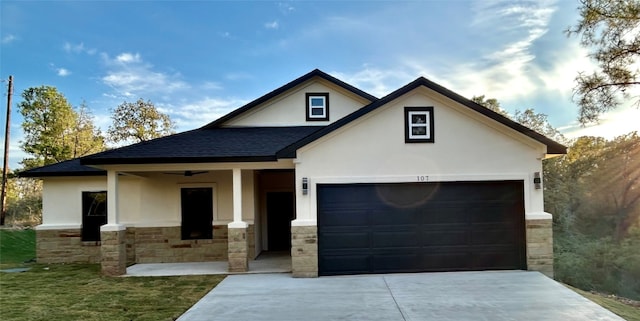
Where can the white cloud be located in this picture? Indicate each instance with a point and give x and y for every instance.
(8, 39)
(189, 115)
(130, 76)
(375, 81)
(78, 48)
(210, 85)
(62, 72)
(508, 72)
(566, 65)
(128, 58)
(286, 8)
(612, 124)
(272, 25)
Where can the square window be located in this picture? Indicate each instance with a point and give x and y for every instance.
(317, 106)
(418, 124)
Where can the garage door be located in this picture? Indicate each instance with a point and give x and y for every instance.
(450, 226)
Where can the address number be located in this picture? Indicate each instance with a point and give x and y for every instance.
(422, 178)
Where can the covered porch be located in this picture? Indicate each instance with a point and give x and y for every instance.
(215, 214)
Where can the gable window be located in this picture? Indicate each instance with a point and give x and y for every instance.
(418, 124)
(197, 213)
(317, 106)
(94, 215)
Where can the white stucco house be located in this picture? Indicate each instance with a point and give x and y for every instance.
(419, 180)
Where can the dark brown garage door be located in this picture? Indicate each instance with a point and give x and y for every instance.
(451, 226)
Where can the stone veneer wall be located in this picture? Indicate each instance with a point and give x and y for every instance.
(164, 245)
(143, 245)
(238, 249)
(304, 251)
(113, 247)
(540, 246)
(65, 246)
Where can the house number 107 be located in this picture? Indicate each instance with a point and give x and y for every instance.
(423, 178)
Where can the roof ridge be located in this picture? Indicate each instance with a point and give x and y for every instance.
(292, 84)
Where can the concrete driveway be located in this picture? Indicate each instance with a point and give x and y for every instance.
(504, 295)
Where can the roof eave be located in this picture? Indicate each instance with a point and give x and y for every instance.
(28, 174)
(176, 160)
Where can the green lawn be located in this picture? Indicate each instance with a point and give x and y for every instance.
(80, 292)
(626, 311)
(17, 246)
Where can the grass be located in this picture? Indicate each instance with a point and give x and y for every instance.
(17, 246)
(80, 292)
(627, 311)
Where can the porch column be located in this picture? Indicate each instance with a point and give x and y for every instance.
(238, 245)
(112, 234)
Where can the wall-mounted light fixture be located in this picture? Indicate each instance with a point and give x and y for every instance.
(537, 181)
(305, 186)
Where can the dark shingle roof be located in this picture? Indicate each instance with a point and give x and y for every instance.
(67, 168)
(212, 143)
(314, 73)
(236, 144)
(553, 147)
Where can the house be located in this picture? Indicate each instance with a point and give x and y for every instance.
(419, 180)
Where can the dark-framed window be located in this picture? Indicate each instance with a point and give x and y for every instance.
(94, 215)
(197, 212)
(418, 124)
(317, 106)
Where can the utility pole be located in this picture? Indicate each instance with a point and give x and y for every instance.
(5, 167)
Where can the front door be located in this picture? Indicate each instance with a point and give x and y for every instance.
(279, 216)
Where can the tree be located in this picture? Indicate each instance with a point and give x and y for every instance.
(139, 121)
(48, 124)
(490, 103)
(610, 30)
(538, 122)
(87, 138)
(53, 130)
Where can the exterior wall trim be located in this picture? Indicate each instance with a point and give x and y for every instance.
(44, 227)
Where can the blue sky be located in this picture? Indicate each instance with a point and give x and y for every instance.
(199, 60)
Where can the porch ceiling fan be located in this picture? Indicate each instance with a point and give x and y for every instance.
(188, 173)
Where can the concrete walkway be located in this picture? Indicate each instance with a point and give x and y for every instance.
(504, 295)
(265, 263)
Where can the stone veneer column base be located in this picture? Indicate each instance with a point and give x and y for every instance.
(113, 249)
(304, 251)
(238, 250)
(540, 246)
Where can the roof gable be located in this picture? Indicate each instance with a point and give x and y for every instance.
(258, 102)
(552, 146)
